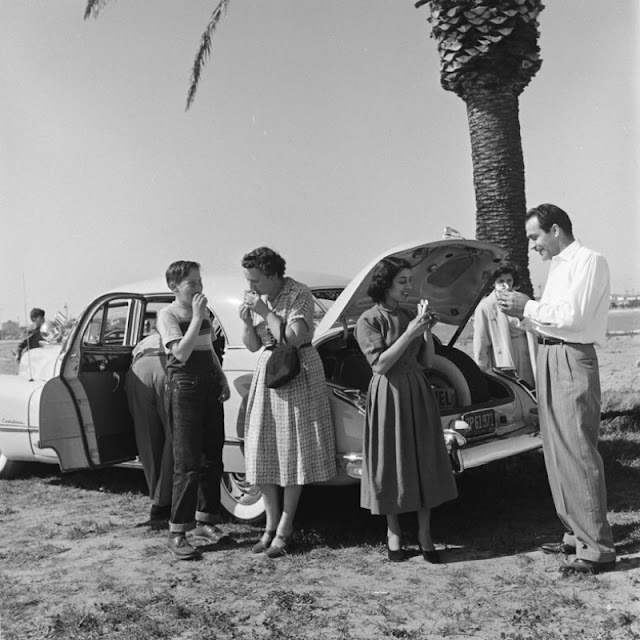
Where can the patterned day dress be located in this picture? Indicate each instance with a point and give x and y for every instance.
(289, 432)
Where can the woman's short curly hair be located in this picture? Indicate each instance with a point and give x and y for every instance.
(383, 274)
(265, 259)
(507, 268)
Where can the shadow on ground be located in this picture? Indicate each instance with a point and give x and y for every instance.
(502, 509)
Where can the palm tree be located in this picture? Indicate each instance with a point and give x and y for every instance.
(488, 54)
(94, 7)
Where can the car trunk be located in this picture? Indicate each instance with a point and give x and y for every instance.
(347, 368)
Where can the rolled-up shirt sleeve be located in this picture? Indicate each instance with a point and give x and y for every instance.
(572, 306)
(301, 309)
(370, 339)
(168, 327)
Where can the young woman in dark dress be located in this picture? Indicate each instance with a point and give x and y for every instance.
(405, 463)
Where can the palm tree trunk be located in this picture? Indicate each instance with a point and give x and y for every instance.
(498, 173)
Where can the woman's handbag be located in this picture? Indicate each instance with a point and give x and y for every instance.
(284, 363)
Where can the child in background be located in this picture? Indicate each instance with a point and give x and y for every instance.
(498, 339)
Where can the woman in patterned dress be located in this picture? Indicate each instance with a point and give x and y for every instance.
(405, 462)
(289, 433)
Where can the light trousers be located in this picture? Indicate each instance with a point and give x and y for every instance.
(569, 409)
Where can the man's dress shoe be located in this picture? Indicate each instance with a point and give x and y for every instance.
(580, 565)
(557, 547)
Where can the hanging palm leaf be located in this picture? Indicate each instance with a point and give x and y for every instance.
(204, 51)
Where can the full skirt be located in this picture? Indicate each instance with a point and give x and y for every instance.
(405, 462)
(289, 432)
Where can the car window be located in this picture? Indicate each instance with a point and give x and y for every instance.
(323, 299)
(108, 325)
(93, 330)
(151, 316)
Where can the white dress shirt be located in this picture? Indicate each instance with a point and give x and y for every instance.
(575, 304)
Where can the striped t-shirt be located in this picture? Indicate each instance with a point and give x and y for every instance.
(173, 322)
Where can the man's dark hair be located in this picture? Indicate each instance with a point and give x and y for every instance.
(265, 259)
(548, 215)
(507, 268)
(179, 270)
(383, 274)
(36, 313)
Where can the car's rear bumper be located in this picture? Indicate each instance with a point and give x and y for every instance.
(490, 451)
(463, 457)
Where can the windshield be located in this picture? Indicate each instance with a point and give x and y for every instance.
(323, 299)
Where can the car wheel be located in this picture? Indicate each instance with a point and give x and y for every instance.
(9, 468)
(241, 500)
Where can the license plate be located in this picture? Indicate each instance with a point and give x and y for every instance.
(446, 398)
(483, 421)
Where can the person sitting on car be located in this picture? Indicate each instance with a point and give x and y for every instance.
(32, 341)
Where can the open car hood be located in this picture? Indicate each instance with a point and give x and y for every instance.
(452, 274)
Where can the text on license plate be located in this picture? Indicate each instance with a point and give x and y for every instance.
(483, 421)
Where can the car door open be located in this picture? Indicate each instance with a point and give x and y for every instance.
(84, 415)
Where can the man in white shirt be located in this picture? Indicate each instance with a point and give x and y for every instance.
(569, 319)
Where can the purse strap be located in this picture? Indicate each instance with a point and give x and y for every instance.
(283, 337)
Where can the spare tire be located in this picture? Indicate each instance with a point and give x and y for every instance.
(445, 368)
(476, 379)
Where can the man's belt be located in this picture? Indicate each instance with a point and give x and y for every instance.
(555, 341)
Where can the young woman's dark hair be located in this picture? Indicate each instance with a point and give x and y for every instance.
(507, 268)
(383, 274)
(550, 214)
(265, 259)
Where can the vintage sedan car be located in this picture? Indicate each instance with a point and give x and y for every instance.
(67, 404)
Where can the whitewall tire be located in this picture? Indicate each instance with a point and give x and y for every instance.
(241, 500)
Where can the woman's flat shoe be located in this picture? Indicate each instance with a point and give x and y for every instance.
(396, 555)
(430, 556)
(261, 545)
(279, 550)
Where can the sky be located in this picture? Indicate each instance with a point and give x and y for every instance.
(319, 129)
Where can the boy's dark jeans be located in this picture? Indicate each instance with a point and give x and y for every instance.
(196, 420)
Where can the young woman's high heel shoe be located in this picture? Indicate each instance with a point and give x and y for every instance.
(430, 556)
(396, 555)
(279, 550)
(264, 542)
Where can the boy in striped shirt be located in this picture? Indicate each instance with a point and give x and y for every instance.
(196, 385)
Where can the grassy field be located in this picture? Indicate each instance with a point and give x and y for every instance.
(78, 560)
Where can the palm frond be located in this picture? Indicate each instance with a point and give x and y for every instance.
(93, 8)
(204, 51)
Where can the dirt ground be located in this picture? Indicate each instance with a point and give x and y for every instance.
(79, 559)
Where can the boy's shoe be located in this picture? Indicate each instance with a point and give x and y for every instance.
(210, 532)
(180, 547)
